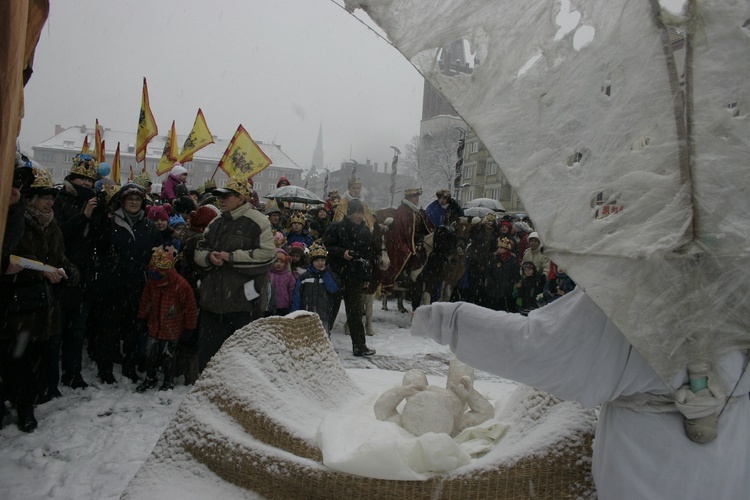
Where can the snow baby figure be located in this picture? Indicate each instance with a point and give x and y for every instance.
(433, 409)
(315, 287)
(169, 309)
(282, 284)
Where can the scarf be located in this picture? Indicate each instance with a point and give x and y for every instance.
(410, 205)
(133, 219)
(38, 217)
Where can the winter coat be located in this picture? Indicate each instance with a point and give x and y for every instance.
(121, 256)
(303, 237)
(246, 235)
(169, 306)
(28, 302)
(283, 287)
(540, 260)
(527, 289)
(574, 351)
(167, 189)
(345, 235)
(14, 225)
(561, 283)
(502, 278)
(314, 292)
(74, 225)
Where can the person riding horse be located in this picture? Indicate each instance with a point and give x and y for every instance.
(406, 249)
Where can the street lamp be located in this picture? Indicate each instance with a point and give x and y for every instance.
(459, 159)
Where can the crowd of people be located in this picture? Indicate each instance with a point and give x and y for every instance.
(157, 283)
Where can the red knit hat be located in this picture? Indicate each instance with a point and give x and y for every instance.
(200, 218)
(156, 212)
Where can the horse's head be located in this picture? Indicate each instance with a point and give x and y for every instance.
(446, 244)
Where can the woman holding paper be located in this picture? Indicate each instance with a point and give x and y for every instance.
(30, 312)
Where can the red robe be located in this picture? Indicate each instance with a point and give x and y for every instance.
(404, 242)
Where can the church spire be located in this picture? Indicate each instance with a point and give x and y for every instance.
(317, 159)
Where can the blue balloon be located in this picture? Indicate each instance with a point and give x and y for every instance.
(104, 169)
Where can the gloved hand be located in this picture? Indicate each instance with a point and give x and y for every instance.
(428, 322)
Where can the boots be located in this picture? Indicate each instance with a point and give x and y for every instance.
(26, 421)
(169, 368)
(363, 350)
(147, 384)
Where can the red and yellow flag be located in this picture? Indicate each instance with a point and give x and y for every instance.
(199, 138)
(98, 144)
(147, 128)
(169, 155)
(131, 177)
(85, 149)
(243, 158)
(116, 165)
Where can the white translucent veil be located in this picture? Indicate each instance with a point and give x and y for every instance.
(633, 164)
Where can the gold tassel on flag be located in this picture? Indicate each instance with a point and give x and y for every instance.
(169, 155)
(199, 138)
(116, 165)
(85, 149)
(243, 158)
(147, 128)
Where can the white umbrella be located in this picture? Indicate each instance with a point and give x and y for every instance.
(477, 211)
(294, 194)
(485, 203)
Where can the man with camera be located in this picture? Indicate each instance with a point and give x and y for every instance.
(349, 245)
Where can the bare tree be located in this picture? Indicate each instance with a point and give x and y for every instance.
(431, 161)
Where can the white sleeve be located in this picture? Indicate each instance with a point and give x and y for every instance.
(568, 348)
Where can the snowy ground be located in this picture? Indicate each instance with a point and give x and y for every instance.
(91, 442)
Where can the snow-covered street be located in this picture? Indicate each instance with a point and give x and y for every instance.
(91, 442)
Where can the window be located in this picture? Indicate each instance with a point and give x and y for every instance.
(493, 193)
(188, 166)
(474, 147)
(65, 172)
(208, 168)
(69, 158)
(46, 157)
(491, 167)
(258, 186)
(131, 147)
(273, 174)
(468, 171)
(222, 182)
(69, 144)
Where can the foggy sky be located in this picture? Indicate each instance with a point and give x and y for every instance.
(278, 67)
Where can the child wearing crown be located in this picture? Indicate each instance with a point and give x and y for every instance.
(315, 287)
(168, 306)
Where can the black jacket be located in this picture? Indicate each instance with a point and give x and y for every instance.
(345, 235)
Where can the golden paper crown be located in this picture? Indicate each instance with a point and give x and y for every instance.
(504, 243)
(162, 258)
(143, 179)
(334, 194)
(317, 251)
(355, 181)
(297, 218)
(239, 186)
(412, 192)
(85, 166)
(43, 183)
(490, 217)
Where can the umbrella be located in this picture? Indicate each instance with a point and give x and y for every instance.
(294, 194)
(477, 211)
(485, 203)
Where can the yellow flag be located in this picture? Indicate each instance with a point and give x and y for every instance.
(199, 138)
(147, 128)
(85, 149)
(243, 158)
(116, 165)
(169, 155)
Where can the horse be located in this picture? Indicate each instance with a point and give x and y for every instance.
(442, 259)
